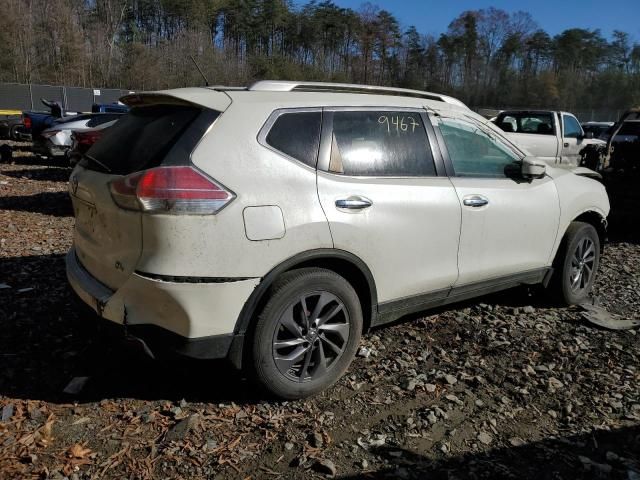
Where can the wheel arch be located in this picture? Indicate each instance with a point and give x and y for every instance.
(595, 219)
(344, 263)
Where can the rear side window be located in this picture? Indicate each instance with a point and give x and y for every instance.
(381, 144)
(297, 134)
(143, 137)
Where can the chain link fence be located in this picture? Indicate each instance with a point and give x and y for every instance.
(15, 96)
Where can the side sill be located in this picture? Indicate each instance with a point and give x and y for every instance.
(395, 309)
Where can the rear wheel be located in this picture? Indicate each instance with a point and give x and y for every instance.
(307, 333)
(577, 263)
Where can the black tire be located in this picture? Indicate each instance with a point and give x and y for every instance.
(576, 264)
(14, 132)
(6, 153)
(329, 303)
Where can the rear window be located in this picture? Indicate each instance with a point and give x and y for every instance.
(297, 134)
(142, 138)
(526, 122)
(103, 118)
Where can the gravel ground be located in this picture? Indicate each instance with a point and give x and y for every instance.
(507, 386)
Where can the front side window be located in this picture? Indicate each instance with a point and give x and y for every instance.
(473, 152)
(380, 143)
(571, 127)
(297, 134)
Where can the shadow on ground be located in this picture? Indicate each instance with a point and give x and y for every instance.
(49, 174)
(612, 454)
(57, 204)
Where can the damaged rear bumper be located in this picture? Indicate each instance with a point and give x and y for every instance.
(193, 319)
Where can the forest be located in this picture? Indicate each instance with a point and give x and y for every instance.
(486, 57)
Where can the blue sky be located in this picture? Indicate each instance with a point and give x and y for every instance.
(433, 16)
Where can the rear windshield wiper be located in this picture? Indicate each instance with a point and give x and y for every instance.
(97, 162)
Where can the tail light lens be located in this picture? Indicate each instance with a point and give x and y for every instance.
(170, 190)
(26, 121)
(88, 138)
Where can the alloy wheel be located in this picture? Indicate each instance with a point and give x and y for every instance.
(311, 336)
(582, 264)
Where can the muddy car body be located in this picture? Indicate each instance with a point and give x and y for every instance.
(273, 225)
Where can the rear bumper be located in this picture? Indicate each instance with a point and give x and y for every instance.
(193, 319)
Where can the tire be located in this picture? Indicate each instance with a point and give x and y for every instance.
(286, 349)
(576, 263)
(6, 153)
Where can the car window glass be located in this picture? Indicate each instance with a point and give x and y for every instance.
(380, 143)
(630, 128)
(297, 134)
(525, 122)
(571, 127)
(473, 152)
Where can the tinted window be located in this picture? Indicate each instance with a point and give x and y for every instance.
(297, 134)
(630, 128)
(571, 127)
(473, 152)
(380, 144)
(142, 138)
(526, 122)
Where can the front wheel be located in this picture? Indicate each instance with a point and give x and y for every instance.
(577, 263)
(307, 333)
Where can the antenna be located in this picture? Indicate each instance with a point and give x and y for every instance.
(206, 82)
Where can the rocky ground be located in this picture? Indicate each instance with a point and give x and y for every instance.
(509, 386)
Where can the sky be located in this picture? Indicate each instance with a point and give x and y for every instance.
(553, 16)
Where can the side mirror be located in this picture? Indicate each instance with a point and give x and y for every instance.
(533, 168)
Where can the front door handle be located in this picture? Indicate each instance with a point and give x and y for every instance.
(566, 145)
(354, 202)
(475, 201)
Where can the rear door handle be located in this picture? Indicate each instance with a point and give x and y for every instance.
(354, 202)
(566, 145)
(475, 201)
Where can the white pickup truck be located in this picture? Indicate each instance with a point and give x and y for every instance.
(555, 137)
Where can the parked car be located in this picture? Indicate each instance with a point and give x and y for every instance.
(623, 143)
(556, 137)
(56, 140)
(273, 225)
(36, 122)
(598, 129)
(82, 140)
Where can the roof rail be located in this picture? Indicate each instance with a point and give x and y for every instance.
(291, 86)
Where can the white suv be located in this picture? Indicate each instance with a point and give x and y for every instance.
(272, 225)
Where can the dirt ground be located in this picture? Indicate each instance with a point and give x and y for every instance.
(509, 386)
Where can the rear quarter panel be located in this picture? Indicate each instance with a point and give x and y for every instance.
(217, 245)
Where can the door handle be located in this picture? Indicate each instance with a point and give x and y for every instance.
(566, 145)
(475, 201)
(354, 202)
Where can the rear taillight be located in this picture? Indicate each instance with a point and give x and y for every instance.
(26, 121)
(172, 190)
(88, 138)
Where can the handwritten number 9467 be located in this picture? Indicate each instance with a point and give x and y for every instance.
(398, 124)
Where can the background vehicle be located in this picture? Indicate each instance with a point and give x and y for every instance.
(272, 225)
(556, 137)
(597, 129)
(623, 144)
(82, 140)
(56, 140)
